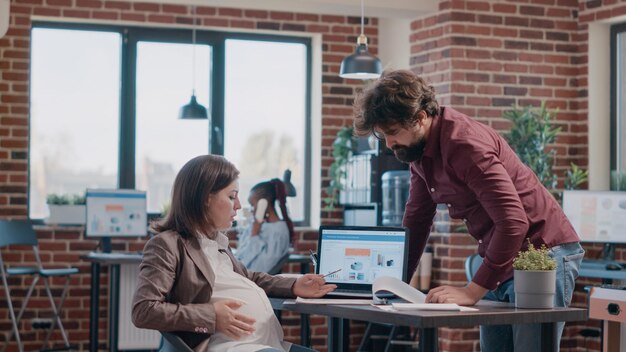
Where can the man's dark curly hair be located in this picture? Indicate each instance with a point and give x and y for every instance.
(395, 98)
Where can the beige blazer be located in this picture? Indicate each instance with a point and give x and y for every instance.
(176, 283)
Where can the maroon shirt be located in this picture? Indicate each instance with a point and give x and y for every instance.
(469, 167)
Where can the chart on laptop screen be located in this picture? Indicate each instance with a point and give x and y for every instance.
(362, 255)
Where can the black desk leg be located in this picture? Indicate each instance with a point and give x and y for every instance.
(114, 293)
(428, 340)
(549, 337)
(335, 335)
(305, 332)
(305, 335)
(94, 306)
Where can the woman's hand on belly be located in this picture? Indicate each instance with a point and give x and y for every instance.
(231, 323)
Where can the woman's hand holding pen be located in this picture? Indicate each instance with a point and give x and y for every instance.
(231, 323)
(312, 286)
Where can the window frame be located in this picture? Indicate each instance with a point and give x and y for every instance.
(131, 35)
(615, 122)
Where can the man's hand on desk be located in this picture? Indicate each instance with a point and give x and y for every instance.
(463, 296)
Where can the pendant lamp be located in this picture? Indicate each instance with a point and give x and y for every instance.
(361, 64)
(193, 110)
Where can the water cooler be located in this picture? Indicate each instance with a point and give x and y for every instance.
(395, 191)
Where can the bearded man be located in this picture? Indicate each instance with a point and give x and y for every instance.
(466, 165)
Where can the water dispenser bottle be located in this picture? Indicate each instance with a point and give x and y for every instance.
(395, 191)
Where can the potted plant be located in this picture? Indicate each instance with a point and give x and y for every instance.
(534, 278)
(343, 148)
(66, 209)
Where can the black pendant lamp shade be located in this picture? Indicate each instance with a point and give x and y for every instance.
(361, 64)
(193, 110)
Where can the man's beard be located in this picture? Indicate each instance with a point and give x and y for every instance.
(411, 153)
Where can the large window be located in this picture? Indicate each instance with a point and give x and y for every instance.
(259, 149)
(105, 102)
(618, 98)
(74, 117)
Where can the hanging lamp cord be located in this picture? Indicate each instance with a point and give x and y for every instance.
(362, 39)
(193, 51)
(362, 16)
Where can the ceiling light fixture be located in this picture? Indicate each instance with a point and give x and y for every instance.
(193, 110)
(361, 64)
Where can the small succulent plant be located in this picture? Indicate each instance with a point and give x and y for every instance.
(65, 199)
(534, 259)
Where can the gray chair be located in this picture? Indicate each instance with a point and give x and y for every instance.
(173, 343)
(472, 263)
(278, 268)
(21, 233)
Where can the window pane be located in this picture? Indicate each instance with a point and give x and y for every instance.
(265, 114)
(164, 142)
(74, 112)
(621, 102)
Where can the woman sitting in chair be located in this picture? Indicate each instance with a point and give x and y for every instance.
(190, 283)
(266, 241)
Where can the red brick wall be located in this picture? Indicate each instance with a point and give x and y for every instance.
(63, 247)
(482, 57)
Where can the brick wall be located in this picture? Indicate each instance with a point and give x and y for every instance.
(62, 247)
(482, 57)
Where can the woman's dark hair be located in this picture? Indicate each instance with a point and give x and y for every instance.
(196, 181)
(275, 190)
(395, 98)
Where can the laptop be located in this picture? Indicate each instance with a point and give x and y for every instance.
(362, 253)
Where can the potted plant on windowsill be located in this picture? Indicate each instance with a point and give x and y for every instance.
(534, 278)
(66, 209)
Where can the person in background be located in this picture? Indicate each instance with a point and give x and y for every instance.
(189, 282)
(457, 161)
(266, 241)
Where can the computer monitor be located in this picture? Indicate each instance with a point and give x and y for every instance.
(597, 216)
(116, 213)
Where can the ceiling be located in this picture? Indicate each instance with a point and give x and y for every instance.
(405, 9)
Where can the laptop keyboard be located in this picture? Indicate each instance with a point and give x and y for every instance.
(350, 293)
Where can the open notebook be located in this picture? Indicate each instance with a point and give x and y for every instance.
(361, 254)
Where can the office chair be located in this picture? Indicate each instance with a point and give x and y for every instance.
(472, 263)
(14, 232)
(173, 343)
(278, 268)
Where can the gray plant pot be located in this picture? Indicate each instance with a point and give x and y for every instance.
(534, 289)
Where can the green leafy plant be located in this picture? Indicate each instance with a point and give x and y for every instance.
(343, 147)
(575, 176)
(530, 134)
(65, 199)
(534, 259)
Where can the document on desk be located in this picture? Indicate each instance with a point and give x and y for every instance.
(332, 301)
(416, 299)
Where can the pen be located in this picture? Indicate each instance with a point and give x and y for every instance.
(336, 271)
(313, 257)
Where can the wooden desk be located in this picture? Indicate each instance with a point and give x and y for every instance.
(490, 313)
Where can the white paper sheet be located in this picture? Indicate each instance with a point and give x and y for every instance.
(431, 306)
(415, 297)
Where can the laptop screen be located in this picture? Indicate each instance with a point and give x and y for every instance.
(362, 254)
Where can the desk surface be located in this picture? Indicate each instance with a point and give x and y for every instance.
(597, 269)
(112, 258)
(488, 314)
(135, 257)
